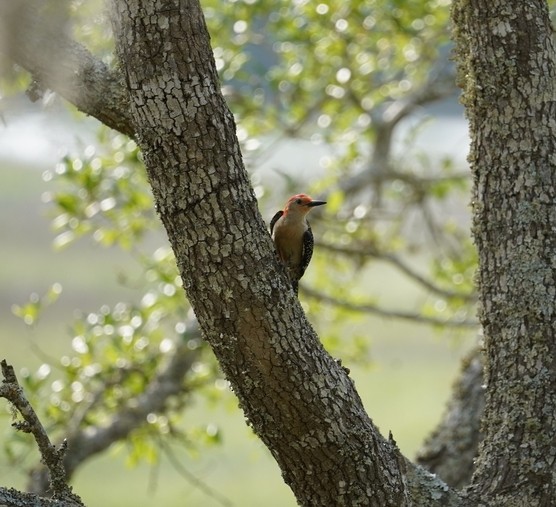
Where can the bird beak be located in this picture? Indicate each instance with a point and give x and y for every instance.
(315, 203)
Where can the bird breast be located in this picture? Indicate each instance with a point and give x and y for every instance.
(288, 238)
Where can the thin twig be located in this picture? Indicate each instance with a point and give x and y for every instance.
(192, 478)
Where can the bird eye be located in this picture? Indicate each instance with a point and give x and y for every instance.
(298, 201)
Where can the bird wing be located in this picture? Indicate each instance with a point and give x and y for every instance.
(307, 250)
(275, 219)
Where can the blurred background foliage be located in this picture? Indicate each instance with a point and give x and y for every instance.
(349, 86)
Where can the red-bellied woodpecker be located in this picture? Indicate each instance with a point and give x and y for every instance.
(293, 237)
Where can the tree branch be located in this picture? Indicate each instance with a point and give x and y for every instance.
(382, 312)
(193, 479)
(34, 38)
(10, 497)
(50, 455)
(369, 251)
(441, 83)
(168, 383)
(511, 109)
(385, 117)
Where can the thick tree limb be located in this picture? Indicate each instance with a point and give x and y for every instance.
(10, 497)
(507, 66)
(35, 38)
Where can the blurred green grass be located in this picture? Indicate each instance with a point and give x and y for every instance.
(404, 389)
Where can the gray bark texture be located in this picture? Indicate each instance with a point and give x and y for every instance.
(508, 71)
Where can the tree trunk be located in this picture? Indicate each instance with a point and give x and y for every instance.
(298, 400)
(507, 64)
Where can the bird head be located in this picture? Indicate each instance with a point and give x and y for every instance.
(301, 203)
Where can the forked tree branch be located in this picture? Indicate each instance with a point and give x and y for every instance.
(51, 456)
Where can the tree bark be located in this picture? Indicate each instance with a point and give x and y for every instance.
(507, 66)
(298, 400)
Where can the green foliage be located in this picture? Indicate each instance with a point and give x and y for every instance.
(30, 311)
(103, 194)
(327, 62)
(120, 350)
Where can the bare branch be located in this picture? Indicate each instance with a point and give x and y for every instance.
(385, 117)
(51, 456)
(441, 83)
(402, 266)
(192, 478)
(376, 310)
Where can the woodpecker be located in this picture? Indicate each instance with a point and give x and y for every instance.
(293, 237)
